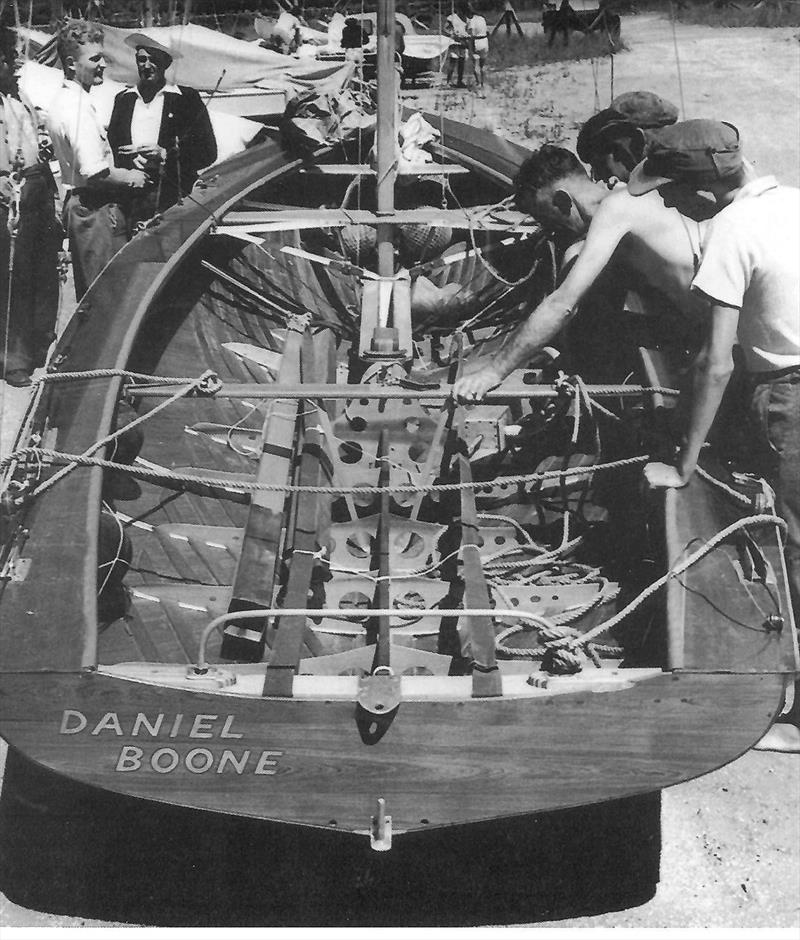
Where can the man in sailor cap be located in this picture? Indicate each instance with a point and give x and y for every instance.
(160, 128)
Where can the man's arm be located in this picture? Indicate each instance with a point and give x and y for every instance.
(198, 143)
(710, 376)
(92, 158)
(114, 178)
(605, 233)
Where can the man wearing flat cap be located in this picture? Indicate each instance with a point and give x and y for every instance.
(160, 128)
(612, 141)
(749, 274)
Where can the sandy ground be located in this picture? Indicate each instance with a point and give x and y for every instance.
(730, 849)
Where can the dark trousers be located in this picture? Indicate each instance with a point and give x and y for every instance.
(775, 412)
(97, 229)
(29, 320)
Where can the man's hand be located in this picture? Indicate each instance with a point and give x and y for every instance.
(137, 179)
(663, 476)
(472, 388)
(144, 158)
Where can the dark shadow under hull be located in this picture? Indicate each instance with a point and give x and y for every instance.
(72, 849)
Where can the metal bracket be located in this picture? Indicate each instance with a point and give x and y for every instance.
(379, 694)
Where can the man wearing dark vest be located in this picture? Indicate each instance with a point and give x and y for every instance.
(160, 128)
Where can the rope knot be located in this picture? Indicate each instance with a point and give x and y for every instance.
(562, 662)
(208, 384)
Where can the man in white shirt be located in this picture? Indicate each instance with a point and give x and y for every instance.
(160, 128)
(750, 275)
(456, 29)
(477, 32)
(29, 233)
(94, 220)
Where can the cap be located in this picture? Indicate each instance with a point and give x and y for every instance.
(601, 128)
(645, 109)
(140, 41)
(697, 152)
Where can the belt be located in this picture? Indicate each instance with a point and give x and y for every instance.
(759, 378)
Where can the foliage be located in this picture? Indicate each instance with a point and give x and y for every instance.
(764, 13)
(507, 52)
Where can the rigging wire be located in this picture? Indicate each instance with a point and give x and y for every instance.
(677, 59)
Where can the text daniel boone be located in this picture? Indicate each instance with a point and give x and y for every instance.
(164, 760)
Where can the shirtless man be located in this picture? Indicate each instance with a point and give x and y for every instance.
(657, 245)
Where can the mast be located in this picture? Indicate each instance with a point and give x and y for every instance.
(386, 134)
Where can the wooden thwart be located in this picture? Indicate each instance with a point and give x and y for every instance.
(479, 218)
(364, 169)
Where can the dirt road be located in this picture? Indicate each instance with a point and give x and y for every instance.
(730, 842)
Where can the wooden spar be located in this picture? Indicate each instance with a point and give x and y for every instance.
(257, 568)
(382, 595)
(386, 136)
(511, 391)
(309, 517)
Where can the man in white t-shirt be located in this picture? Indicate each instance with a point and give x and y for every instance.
(456, 29)
(749, 273)
(478, 34)
(95, 223)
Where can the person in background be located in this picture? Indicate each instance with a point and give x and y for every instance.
(749, 275)
(560, 20)
(612, 141)
(160, 129)
(456, 29)
(29, 233)
(95, 188)
(509, 17)
(478, 43)
(354, 38)
(286, 32)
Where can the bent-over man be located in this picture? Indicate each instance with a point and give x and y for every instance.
(612, 141)
(749, 274)
(656, 246)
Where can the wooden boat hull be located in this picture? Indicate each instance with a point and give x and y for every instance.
(441, 758)
(305, 763)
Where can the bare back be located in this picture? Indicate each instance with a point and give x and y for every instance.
(661, 247)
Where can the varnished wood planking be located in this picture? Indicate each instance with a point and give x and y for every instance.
(723, 620)
(49, 620)
(481, 759)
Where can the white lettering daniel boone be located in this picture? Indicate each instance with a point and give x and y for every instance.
(164, 760)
